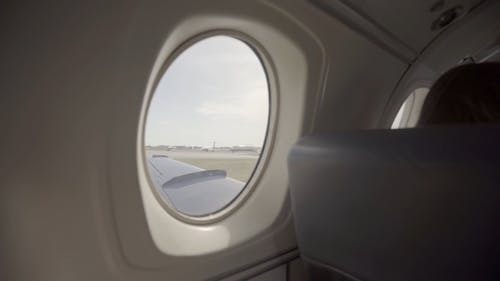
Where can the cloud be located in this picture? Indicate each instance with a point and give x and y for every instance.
(252, 106)
(215, 90)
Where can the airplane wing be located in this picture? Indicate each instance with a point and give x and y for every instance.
(192, 190)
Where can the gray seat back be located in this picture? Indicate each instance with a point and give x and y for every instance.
(394, 205)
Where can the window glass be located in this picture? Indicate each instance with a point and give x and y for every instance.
(409, 113)
(206, 125)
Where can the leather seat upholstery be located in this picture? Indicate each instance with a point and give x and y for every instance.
(394, 205)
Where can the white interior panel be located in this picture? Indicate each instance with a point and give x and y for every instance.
(264, 204)
(415, 30)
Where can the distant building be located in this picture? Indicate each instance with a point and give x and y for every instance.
(245, 148)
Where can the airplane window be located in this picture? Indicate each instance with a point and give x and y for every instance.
(409, 112)
(206, 125)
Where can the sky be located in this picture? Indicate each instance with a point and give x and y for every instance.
(216, 90)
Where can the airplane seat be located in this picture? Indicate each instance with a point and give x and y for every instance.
(409, 204)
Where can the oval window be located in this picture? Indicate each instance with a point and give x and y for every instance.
(206, 125)
(409, 112)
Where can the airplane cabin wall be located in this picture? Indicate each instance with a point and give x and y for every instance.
(476, 36)
(73, 81)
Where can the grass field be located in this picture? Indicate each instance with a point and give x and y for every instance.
(238, 166)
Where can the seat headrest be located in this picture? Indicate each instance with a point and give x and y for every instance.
(468, 93)
(393, 205)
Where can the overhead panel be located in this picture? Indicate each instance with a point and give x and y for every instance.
(403, 26)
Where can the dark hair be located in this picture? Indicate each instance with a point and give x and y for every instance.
(465, 94)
